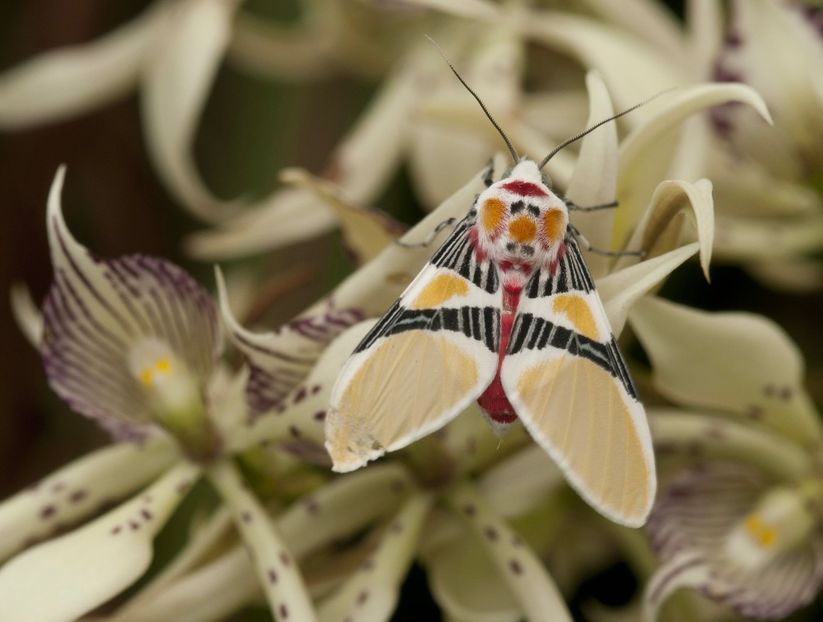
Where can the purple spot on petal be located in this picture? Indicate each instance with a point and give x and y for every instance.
(77, 496)
(490, 533)
(315, 389)
(300, 395)
(312, 507)
(284, 558)
(47, 511)
(57, 487)
(115, 530)
(134, 525)
(245, 517)
(469, 509)
(294, 431)
(515, 567)
(320, 415)
(146, 514)
(272, 575)
(283, 612)
(362, 597)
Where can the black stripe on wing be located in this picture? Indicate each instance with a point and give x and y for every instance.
(457, 253)
(531, 332)
(571, 275)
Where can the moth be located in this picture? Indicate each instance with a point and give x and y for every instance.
(506, 313)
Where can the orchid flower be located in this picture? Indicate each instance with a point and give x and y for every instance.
(739, 521)
(134, 343)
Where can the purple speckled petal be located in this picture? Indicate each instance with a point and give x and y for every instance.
(280, 360)
(689, 528)
(97, 310)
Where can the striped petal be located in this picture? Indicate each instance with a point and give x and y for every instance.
(27, 315)
(692, 526)
(734, 362)
(102, 315)
(280, 360)
(64, 578)
(78, 490)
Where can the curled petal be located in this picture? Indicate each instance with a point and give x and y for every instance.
(177, 80)
(366, 231)
(71, 80)
(26, 314)
(648, 152)
(78, 490)
(735, 362)
(109, 554)
(594, 181)
(371, 593)
(276, 569)
(98, 311)
(620, 290)
(521, 570)
(661, 230)
(280, 360)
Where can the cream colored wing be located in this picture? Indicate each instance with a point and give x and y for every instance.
(426, 360)
(565, 377)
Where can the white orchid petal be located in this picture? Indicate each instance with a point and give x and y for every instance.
(343, 507)
(26, 314)
(704, 19)
(98, 311)
(366, 231)
(466, 584)
(177, 79)
(659, 230)
(286, 217)
(299, 51)
(371, 594)
(631, 68)
(793, 275)
(748, 238)
(281, 359)
(736, 362)
(274, 563)
(202, 543)
(521, 570)
(620, 290)
(228, 581)
(684, 570)
(715, 438)
(594, 181)
(66, 577)
(79, 489)
(72, 80)
(647, 152)
(649, 21)
(518, 483)
(555, 113)
(296, 423)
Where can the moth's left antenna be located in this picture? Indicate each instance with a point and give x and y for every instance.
(515, 157)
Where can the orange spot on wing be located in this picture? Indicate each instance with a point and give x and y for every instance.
(439, 290)
(577, 310)
(522, 230)
(554, 226)
(491, 214)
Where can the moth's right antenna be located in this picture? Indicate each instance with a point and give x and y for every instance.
(515, 157)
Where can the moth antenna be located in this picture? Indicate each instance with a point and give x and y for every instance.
(512, 151)
(588, 130)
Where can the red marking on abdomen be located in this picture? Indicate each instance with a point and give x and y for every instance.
(525, 188)
(493, 400)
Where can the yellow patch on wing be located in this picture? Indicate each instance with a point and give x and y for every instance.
(579, 312)
(522, 230)
(554, 226)
(491, 214)
(407, 384)
(440, 289)
(580, 412)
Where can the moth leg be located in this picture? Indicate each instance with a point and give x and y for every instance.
(488, 173)
(429, 238)
(600, 251)
(592, 208)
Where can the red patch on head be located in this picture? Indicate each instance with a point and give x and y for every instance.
(524, 188)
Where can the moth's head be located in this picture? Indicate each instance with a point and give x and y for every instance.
(519, 219)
